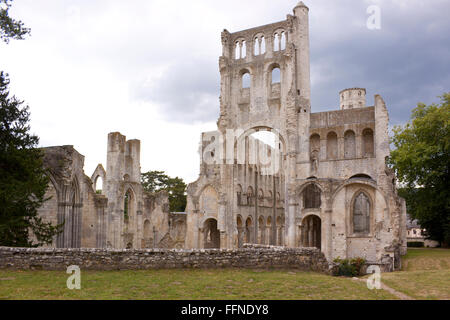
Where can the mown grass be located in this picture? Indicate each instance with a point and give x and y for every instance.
(229, 284)
(425, 274)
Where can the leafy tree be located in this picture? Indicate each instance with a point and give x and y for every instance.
(154, 181)
(10, 28)
(23, 180)
(422, 162)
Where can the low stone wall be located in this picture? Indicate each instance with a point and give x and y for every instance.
(254, 257)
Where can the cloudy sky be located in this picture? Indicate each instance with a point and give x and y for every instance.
(148, 68)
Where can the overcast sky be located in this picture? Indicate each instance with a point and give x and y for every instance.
(149, 68)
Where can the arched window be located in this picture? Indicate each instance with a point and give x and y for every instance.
(244, 50)
(256, 47)
(276, 75)
(276, 42)
(368, 143)
(128, 205)
(98, 185)
(332, 146)
(283, 41)
(237, 50)
(263, 45)
(311, 197)
(246, 80)
(361, 214)
(349, 144)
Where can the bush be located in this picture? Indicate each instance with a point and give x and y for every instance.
(349, 267)
(415, 244)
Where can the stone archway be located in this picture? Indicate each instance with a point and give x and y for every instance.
(312, 232)
(211, 234)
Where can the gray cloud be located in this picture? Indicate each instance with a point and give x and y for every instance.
(186, 91)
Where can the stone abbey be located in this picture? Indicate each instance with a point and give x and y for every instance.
(273, 173)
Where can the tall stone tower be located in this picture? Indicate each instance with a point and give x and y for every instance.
(123, 189)
(265, 86)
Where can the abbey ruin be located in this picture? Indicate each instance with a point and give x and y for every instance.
(273, 173)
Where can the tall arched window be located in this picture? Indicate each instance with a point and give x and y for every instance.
(276, 42)
(244, 50)
(246, 80)
(361, 214)
(283, 41)
(311, 197)
(276, 75)
(349, 144)
(368, 143)
(237, 50)
(259, 45)
(332, 146)
(128, 205)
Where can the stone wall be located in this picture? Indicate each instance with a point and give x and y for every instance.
(251, 256)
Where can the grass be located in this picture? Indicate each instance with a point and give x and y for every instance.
(425, 274)
(229, 284)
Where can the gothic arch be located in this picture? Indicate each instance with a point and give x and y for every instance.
(98, 172)
(256, 127)
(211, 234)
(312, 231)
(349, 144)
(301, 188)
(369, 220)
(332, 146)
(70, 215)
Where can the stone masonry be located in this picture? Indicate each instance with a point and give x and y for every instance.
(306, 259)
(273, 173)
(331, 188)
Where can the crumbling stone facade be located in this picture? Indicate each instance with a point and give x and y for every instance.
(120, 214)
(326, 184)
(320, 181)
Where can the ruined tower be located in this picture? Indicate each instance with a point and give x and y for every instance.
(329, 186)
(123, 189)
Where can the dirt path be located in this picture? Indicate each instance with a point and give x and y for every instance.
(394, 292)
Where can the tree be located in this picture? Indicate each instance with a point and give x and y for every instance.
(10, 28)
(421, 160)
(23, 179)
(154, 181)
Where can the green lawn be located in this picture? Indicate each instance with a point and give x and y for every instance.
(185, 284)
(426, 275)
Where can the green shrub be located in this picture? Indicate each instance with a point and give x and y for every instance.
(415, 244)
(349, 267)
